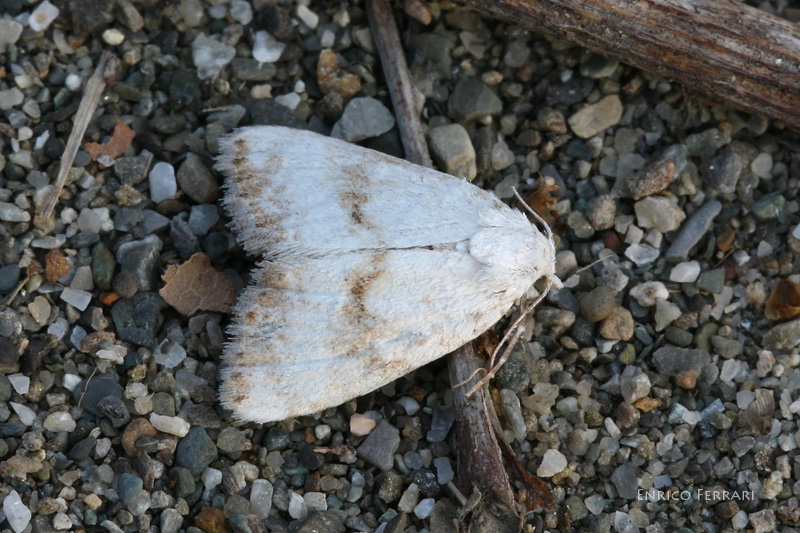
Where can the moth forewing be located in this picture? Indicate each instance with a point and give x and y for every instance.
(376, 267)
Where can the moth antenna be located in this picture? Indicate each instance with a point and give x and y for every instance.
(547, 230)
(517, 330)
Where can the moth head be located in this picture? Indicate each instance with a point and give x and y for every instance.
(550, 273)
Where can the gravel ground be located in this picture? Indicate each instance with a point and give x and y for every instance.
(668, 361)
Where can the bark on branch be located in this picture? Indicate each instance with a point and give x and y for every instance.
(724, 49)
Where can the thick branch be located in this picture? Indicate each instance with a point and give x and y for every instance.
(724, 49)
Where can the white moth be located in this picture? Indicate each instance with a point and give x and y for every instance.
(373, 267)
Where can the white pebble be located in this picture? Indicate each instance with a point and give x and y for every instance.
(26, 415)
(308, 17)
(20, 383)
(61, 522)
(73, 82)
(213, 477)
(361, 425)
(71, 382)
(266, 48)
(59, 421)
(44, 14)
(290, 100)
(78, 299)
(172, 425)
(686, 272)
(553, 462)
(58, 328)
(169, 354)
(113, 36)
(163, 184)
(17, 513)
(424, 508)
(12, 213)
(315, 501)
(666, 313)
(297, 506)
(241, 11)
(260, 497)
(646, 294)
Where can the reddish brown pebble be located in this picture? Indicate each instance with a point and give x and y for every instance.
(783, 301)
(652, 179)
(725, 239)
(332, 78)
(136, 429)
(686, 379)
(56, 266)
(211, 520)
(418, 393)
(108, 298)
(646, 404)
(612, 242)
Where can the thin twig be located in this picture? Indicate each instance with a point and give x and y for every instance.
(86, 387)
(91, 98)
(395, 70)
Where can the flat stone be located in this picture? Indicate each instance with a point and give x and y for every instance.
(379, 447)
(363, 118)
(452, 150)
(471, 100)
(595, 118)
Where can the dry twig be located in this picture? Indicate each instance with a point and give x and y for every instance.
(44, 220)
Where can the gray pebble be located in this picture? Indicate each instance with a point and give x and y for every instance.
(598, 303)
(183, 237)
(171, 521)
(721, 173)
(133, 170)
(727, 348)
(712, 281)
(443, 419)
(670, 360)
(471, 100)
(196, 180)
(692, 231)
(195, 451)
(363, 118)
(452, 150)
(232, 440)
(141, 258)
(138, 318)
(379, 447)
(598, 66)
(624, 480)
(128, 487)
(126, 284)
(248, 69)
(115, 409)
(9, 277)
(769, 206)
(96, 390)
(601, 212)
(783, 337)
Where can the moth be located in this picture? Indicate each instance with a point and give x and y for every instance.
(372, 267)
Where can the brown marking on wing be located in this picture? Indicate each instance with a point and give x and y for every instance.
(238, 383)
(352, 195)
(357, 317)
